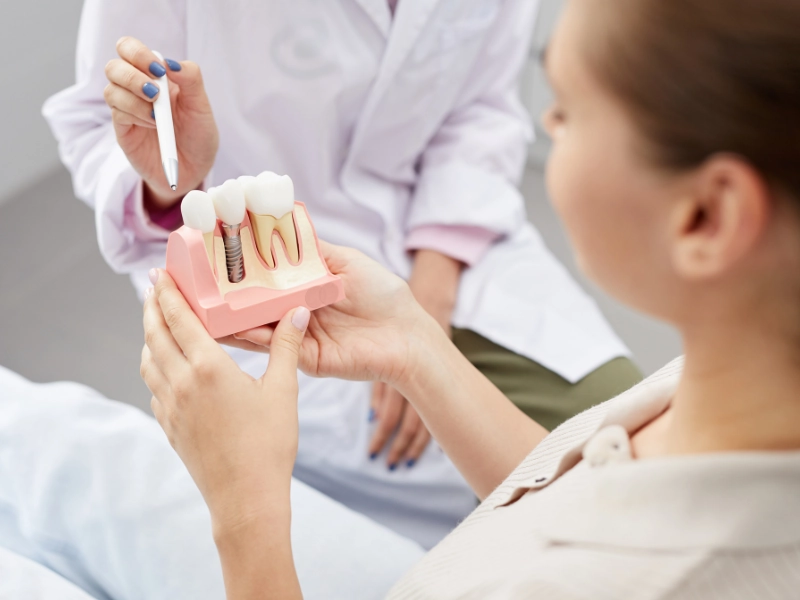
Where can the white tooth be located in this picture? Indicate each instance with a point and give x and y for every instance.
(198, 212)
(244, 179)
(270, 200)
(197, 209)
(270, 194)
(229, 202)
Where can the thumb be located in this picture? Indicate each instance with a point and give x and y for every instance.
(189, 78)
(284, 348)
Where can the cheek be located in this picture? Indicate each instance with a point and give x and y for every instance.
(581, 199)
(606, 222)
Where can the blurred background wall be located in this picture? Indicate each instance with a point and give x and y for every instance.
(37, 41)
(63, 313)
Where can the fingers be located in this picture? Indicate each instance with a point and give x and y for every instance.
(128, 77)
(140, 57)
(124, 120)
(404, 438)
(418, 444)
(186, 329)
(378, 390)
(123, 101)
(234, 342)
(162, 349)
(189, 78)
(152, 375)
(260, 336)
(337, 257)
(284, 349)
(389, 415)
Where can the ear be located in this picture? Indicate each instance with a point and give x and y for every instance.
(723, 216)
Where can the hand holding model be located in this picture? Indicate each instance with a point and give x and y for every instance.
(367, 336)
(434, 283)
(218, 418)
(131, 93)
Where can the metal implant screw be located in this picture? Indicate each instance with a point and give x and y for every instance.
(234, 259)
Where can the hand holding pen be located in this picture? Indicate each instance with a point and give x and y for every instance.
(131, 94)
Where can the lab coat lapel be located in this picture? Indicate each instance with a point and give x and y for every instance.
(378, 11)
(410, 19)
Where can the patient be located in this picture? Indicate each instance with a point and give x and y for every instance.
(675, 169)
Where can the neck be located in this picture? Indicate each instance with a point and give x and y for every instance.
(740, 391)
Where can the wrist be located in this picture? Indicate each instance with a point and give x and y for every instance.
(233, 526)
(434, 281)
(426, 341)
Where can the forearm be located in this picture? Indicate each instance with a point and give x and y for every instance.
(256, 556)
(482, 432)
(434, 283)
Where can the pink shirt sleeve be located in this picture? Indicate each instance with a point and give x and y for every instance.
(462, 242)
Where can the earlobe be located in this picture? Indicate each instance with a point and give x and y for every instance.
(719, 224)
(689, 252)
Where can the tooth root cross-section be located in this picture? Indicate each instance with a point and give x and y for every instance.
(265, 225)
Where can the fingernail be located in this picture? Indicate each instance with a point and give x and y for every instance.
(393, 466)
(371, 417)
(373, 456)
(157, 70)
(153, 114)
(147, 293)
(300, 318)
(173, 65)
(153, 275)
(150, 90)
(411, 462)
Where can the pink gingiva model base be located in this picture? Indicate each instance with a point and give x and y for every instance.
(266, 293)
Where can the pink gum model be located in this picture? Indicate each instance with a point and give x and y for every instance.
(265, 294)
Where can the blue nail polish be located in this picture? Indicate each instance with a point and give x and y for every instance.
(373, 456)
(371, 416)
(411, 462)
(173, 65)
(149, 90)
(157, 70)
(153, 114)
(392, 466)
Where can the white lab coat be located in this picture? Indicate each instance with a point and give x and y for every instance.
(384, 125)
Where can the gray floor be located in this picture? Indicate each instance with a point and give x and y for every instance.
(65, 315)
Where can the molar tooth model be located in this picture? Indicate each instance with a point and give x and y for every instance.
(270, 200)
(237, 274)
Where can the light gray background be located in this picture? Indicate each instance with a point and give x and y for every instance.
(63, 313)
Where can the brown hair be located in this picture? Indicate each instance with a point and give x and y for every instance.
(707, 76)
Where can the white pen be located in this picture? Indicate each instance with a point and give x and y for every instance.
(166, 130)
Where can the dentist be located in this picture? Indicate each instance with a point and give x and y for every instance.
(402, 129)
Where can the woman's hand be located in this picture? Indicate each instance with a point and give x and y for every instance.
(131, 93)
(373, 334)
(434, 283)
(236, 435)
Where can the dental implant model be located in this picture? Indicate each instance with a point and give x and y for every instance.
(241, 274)
(198, 213)
(230, 206)
(270, 202)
